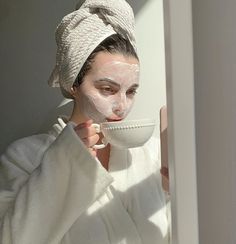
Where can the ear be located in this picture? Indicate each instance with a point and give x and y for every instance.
(74, 91)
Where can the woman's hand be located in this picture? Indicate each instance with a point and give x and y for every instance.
(164, 149)
(165, 178)
(88, 135)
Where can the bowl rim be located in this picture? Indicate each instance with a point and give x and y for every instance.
(129, 124)
(151, 121)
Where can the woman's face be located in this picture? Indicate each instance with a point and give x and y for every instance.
(108, 90)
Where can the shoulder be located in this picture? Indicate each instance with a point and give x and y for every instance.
(26, 153)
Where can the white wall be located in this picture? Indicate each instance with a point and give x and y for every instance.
(215, 88)
(202, 33)
(181, 121)
(27, 51)
(150, 40)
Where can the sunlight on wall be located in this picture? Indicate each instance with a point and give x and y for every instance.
(150, 42)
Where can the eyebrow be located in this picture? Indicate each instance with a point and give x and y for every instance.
(108, 81)
(113, 82)
(135, 86)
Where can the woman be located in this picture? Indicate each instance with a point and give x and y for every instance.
(55, 188)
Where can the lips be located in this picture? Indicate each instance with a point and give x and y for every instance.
(113, 120)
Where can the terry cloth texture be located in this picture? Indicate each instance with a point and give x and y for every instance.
(81, 31)
(52, 191)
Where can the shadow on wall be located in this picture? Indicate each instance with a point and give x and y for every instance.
(27, 50)
(136, 5)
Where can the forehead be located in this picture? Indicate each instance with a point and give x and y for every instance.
(116, 67)
(104, 59)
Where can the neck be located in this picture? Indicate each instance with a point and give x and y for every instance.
(104, 156)
(76, 115)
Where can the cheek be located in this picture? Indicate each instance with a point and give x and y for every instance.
(107, 106)
(129, 105)
(125, 100)
(102, 104)
(122, 105)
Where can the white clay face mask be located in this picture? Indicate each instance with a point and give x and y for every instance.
(108, 93)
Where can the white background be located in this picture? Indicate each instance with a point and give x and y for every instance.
(201, 85)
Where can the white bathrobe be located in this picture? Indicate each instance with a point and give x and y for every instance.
(53, 191)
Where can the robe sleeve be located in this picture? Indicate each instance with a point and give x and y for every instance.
(66, 182)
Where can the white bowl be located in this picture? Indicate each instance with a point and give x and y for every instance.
(129, 133)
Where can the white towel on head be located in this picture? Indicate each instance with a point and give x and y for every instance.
(81, 31)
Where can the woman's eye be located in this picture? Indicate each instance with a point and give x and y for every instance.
(131, 92)
(107, 90)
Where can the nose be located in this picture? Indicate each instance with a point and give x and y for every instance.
(120, 106)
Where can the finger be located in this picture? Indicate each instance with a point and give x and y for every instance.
(85, 129)
(85, 132)
(93, 151)
(89, 122)
(165, 184)
(164, 172)
(91, 140)
(85, 124)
